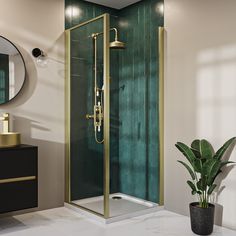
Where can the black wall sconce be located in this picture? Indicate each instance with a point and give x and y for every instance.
(40, 56)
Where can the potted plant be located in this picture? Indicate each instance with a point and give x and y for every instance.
(204, 165)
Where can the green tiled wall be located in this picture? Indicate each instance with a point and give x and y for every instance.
(87, 11)
(138, 102)
(86, 154)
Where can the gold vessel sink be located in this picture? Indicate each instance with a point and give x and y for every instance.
(9, 139)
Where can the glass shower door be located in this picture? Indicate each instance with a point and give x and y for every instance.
(88, 115)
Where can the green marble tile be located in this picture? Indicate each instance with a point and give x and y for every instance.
(138, 105)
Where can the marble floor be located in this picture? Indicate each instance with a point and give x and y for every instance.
(63, 221)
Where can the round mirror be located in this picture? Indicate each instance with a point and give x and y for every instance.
(12, 70)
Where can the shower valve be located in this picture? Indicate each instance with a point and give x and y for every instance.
(98, 117)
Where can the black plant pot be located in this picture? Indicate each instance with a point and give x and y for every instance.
(202, 219)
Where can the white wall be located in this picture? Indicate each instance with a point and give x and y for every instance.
(38, 111)
(200, 92)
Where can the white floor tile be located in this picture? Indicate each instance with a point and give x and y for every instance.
(65, 222)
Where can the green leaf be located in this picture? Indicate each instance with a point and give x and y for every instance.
(211, 189)
(206, 149)
(192, 186)
(194, 192)
(215, 169)
(196, 153)
(197, 165)
(187, 152)
(189, 169)
(211, 179)
(196, 145)
(219, 154)
(211, 169)
(199, 185)
(202, 183)
(223, 163)
(207, 166)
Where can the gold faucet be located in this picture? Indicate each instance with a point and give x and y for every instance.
(5, 121)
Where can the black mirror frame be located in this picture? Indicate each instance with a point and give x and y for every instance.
(24, 79)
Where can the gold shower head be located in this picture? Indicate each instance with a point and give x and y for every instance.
(116, 44)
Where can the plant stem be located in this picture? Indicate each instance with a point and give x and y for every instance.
(199, 198)
(204, 199)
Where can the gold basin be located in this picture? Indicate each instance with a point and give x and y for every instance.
(9, 139)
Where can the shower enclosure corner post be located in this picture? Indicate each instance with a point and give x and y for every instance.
(67, 117)
(161, 31)
(106, 114)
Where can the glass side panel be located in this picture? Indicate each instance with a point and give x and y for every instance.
(138, 102)
(134, 105)
(86, 154)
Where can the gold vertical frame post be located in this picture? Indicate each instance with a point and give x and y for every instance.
(161, 114)
(67, 118)
(106, 126)
(106, 79)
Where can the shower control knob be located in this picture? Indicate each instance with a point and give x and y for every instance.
(88, 117)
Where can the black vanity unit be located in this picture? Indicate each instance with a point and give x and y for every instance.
(18, 178)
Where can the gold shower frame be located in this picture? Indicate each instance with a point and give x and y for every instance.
(106, 177)
(106, 131)
(161, 32)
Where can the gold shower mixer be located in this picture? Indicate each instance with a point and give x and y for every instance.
(97, 117)
(98, 92)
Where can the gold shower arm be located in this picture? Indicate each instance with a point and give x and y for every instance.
(97, 34)
(116, 33)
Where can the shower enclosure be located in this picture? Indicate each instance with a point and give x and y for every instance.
(109, 171)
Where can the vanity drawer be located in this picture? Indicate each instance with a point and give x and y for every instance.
(18, 162)
(18, 195)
